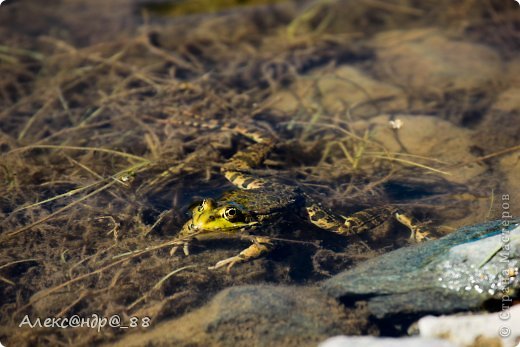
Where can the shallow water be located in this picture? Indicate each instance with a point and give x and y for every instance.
(115, 117)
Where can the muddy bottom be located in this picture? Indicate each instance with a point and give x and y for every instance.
(117, 118)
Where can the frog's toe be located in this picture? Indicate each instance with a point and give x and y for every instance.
(416, 234)
(185, 248)
(419, 235)
(230, 262)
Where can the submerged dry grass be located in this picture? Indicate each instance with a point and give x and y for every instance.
(98, 167)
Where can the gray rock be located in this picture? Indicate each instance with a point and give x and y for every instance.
(426, 136)
(500, 127)
(369, 341)
(458, 272)
(336, 90)
(254, 315)
(491, 329)
(429, 62)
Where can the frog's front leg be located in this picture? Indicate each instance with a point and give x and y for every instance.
(260, 245)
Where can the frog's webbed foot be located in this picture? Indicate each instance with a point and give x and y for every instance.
(260, 245)
(416, 234)
(180, 243)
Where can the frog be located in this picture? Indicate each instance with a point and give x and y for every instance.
(258, 202)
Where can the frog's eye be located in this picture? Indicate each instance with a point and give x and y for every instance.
(230, 213)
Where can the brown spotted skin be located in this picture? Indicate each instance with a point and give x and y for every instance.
(238, 169)
(323, 219)
(370, 218)
(259, 200)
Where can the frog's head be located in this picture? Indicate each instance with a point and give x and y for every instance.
(208, 216)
